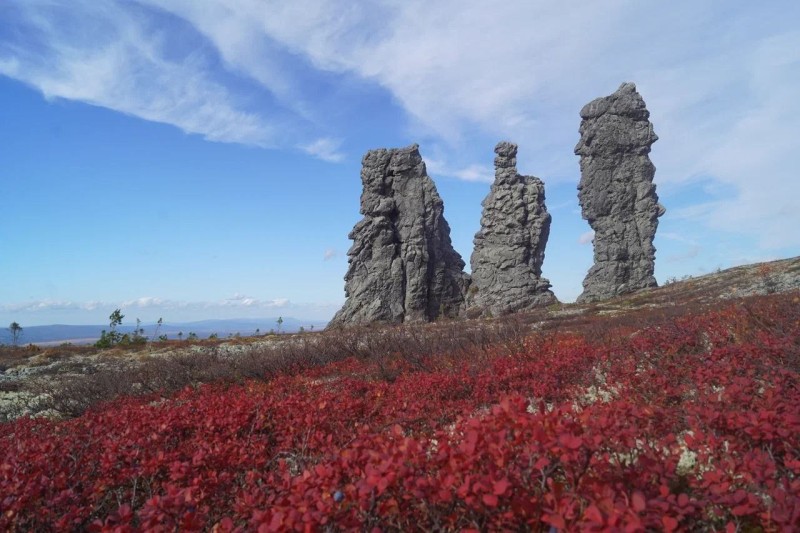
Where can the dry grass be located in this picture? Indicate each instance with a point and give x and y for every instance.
(77, 387)
(84, 376)
(11, 356)
(418, 346)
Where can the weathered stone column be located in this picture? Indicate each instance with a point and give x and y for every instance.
(403, 267)
(617, 194)
(509, 248)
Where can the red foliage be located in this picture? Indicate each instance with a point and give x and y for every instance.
(693, 423)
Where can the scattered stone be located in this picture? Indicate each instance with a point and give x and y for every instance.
(509, 248)
(402, 265)
(617, 194)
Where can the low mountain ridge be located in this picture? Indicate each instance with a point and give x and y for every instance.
(87, 334)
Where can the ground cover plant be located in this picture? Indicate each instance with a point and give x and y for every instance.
(688, 422)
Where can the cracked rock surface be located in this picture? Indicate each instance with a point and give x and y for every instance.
(402, 265)
(509, 248)
(617, 194)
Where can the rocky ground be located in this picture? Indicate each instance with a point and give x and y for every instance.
(30, 375)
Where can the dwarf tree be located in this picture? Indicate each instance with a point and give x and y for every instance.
(16, 331)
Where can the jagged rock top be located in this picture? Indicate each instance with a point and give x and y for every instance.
(616, 124)
(626, 101)
(505, 162)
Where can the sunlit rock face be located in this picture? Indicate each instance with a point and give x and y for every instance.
(402, 265)
(617, 194)
(509, 248)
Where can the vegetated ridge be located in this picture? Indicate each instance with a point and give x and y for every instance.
(676, 408)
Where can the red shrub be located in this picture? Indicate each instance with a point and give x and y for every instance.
(691, 423)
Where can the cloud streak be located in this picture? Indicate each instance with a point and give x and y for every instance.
(721, 82)
(326, 149)
(146, 302)
(721, 89)
(122, 63)
(476, 173)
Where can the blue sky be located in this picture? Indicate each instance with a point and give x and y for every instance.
(193, 159)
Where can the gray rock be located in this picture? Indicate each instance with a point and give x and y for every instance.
(402, 265)
(509, 248)
(617, 194)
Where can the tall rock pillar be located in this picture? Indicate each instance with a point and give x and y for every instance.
(509, 248)
(402, 265)
(617, 194)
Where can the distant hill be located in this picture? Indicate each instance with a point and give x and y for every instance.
(58, 333)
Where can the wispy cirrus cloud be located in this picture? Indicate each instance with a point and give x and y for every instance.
(721, 90)
(241, 300)
(326, 149)
(475, 172)
(45, 305)
(720, 81)
(110, 55)
(146, 302)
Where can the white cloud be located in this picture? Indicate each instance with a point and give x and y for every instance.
(240, 300)
(740, 138)
(104, 54)
(586, 238)
(236, 32)
(326, 149)
(235, 300)
(722, 91)
(92, 305)
(720, 81)
(449, 63)
(145, 302)
(40, 305)
(44, 312)
(479, 173)
(329, 254)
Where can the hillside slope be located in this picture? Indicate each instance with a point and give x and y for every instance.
(650, 420)
(28, 376)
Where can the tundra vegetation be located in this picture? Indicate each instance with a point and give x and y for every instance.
(676, 418)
